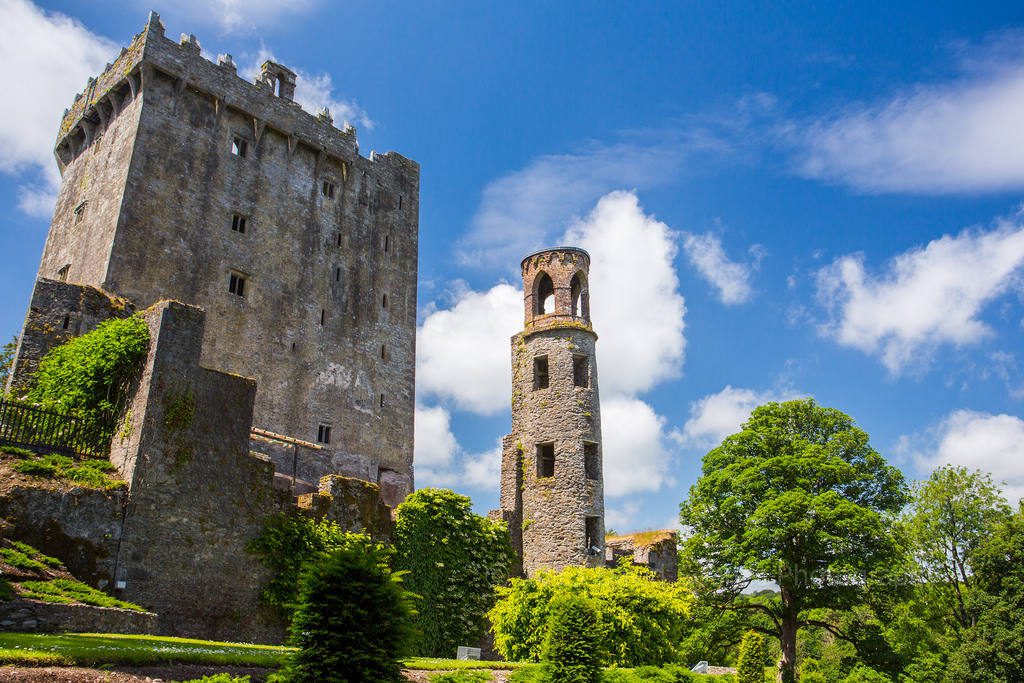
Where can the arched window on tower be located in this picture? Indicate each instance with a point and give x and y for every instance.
(580, 296)
(544, 295)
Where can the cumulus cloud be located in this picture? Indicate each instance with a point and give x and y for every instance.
(463, 352)
(716, 416)
(925, 297)
(963, 135)
(977, 440)
(314, 91)
(635, 302)
(47, 59)
(521, 211)
(440, 461)
(636, 457)
(435, 443)
(730, 278)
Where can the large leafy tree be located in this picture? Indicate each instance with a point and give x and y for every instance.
(799, 498)
(951, 514)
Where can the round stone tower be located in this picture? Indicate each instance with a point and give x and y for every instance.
(552, 490)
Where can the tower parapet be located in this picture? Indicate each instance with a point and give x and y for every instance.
(552, 487)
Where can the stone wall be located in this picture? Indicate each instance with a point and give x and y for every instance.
(31, 615)
(656, 550)
(57, 312)
(327, 321)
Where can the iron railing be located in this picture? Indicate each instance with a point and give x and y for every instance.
(45, 430)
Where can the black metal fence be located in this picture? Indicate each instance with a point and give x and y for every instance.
(39, 429)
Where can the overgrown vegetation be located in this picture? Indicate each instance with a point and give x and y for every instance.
(287, 544)
(454, 560)
(7, 352)
(753, 656)
(89, 376)
(465, 676)
(69, 591)
(573, 648)
(352, 624)
(642, 620)
(89, 473)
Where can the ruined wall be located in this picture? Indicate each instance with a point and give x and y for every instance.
(28, 615)
(548, 514)
(656, 550)
(57, 312)
(313, 327)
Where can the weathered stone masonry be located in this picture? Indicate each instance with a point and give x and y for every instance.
(183, 181)
(552, 491)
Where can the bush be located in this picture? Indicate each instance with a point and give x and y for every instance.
(752, 658)
(671, 673)
(288, 543)
(572, 646)
(352, 623)
(643, 619)
(454, 560)
(220, 678)
(89, 375)
(471, 676)
(864, 674)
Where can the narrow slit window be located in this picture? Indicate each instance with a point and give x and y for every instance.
(236, 284)
(323, 316)
(337, 274)
(239, 146)
(382, 400)
(62, 274)
(581, 371)
(67, 321)
(399, 202)
(387, 243)
(238, 222)
(338, 239)
(383, 352)
(545, 460)
(593, 525)
(384, 301)
(591, 463)
(327, 189)
(323, 434)
(540, 372)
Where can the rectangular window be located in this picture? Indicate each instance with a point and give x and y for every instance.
(591, 463)
(540, 372)
(327, 189)
(382, 400)
(384, 302)
(79, 213)
(387, 243)
(581, 371)
(67, 321)
(338, 239)
(62, 274)
(238, 223)
(545, 460)
(383, 352)
(337, 274)
(323, 434)
(236, 284)
(323, 316)
(593, 535)
(399, 202)
(239, 146)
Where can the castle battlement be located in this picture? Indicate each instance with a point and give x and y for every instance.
(268, 102)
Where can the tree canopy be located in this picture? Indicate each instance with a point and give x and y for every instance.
(798, 498)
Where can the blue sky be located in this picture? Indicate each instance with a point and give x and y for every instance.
(782, 199)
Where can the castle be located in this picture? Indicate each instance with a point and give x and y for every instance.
(183, 181)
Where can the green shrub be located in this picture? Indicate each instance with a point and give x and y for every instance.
(865, 674)
(572, 646)
(671, 673)
(89, 376)
(91, 473)
(19, 452)
(287, 543)
(643, 619)
(220, 678)
(752, 658)
(454, 560)
(468, 676)
(352, 623)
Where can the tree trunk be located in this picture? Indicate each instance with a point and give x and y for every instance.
(787, 638)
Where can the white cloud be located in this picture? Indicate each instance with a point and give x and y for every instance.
(236, 16)
(435, 443)
(463, 353)
(959, 136)
(635, 303)
(47, 59)
(716, 416)
(441, 461)
(991, 443)
(314, 92)
(621, 516)
(730, 278)
(926, 297)
(636, 457)
(521, 211)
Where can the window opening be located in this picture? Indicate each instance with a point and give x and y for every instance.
(236, 284)
(593, 525)
(387, 243)
(580, 303)
(384, 302)
(591, 464)
(581, 371)
(323, 316)
(293, 346)
(540, 372)
(239, 146)
(62, 274)
(545, 460)
(338, 239)
(238, 223)
(337, 274)
(382, 400)
(545, 295)
(79, 213)
(323, 434)
(67, 321)
(383, 352)
(327, 189)
(399, 202)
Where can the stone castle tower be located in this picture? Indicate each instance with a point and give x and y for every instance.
(182, 180)
(552, 490)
